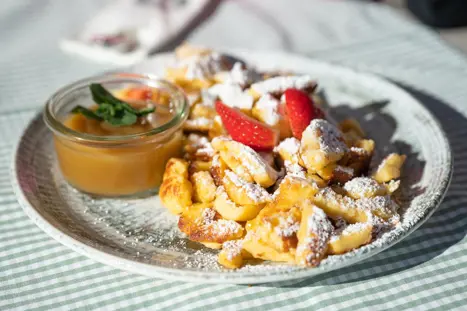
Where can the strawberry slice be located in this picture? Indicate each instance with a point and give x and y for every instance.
(300, 110)
(247, 130)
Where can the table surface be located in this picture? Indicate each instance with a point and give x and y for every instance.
(428, 270)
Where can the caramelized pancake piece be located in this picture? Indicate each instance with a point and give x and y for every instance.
(295, 170)
(243, 192)
(366, 144)
(392, 186)
(277, 85)
(351, 124)
(358, 159)
(176, 190)
(186, 50)
(272, 234)
(266, 110)
(322, 144)
(352, 131)
(231, 255)
(204, 189)
(293, 190)
(289, 150)
(198, 148)
(228, 209)
(261, 250)
(352, 237)
(199, 166)
(236, 155)
(217, 128)
(217, 169)
(353, 211)
(364, 187)
(202, 224)
(234, 164)
(390, 168)
(313, 235)
(381, 206)
(341, 175)
(197, 68)
(200, 124)
(337, 205)
(202, 111)
(326, 173)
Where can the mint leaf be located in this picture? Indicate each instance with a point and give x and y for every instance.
(125, 118)
(145, 111)
(111, 109)
(86, 112)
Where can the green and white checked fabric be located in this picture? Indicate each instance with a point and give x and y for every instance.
(426, 271)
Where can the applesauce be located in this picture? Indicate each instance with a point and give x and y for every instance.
(106, 160)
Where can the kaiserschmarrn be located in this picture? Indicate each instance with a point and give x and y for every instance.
(266, 174)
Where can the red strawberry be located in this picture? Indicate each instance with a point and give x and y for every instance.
(247, 130)
(300, 110)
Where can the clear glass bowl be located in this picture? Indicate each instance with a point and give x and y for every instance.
(124, 165)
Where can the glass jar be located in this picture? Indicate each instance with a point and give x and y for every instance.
(125, 165)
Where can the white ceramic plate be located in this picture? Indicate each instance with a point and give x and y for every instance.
(140, 236)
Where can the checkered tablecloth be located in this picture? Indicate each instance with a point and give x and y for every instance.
(428, 270)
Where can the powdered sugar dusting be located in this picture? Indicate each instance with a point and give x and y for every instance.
(267, 106)
(380, 203)
(220, 227)
(380, 226)
(205, 152)
(281, 83)
(225, 227)
(200, 145)
(354, 228)
(329, 137)
(361, 187)
(294, 170)
(346, 170)
(197, 141)
(318, 222)
(208, 215)
(254, 191)
(319, 232)
(255, 164)
(238, 75)
(230, 94)
(198, 123)
(289, 146)
(251, 160)
(287, 227)
(232, 249)
(216, 160)
(349, 230)
(357, 150)
(344, 202)
(203, 67)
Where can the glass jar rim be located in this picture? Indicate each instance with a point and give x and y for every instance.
(57, 126)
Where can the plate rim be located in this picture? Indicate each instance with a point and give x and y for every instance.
(226, 277)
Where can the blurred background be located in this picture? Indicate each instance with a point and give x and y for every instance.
(47, 43)
(447, 17)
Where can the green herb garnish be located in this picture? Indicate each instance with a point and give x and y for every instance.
(111, 109)
(86, 112)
